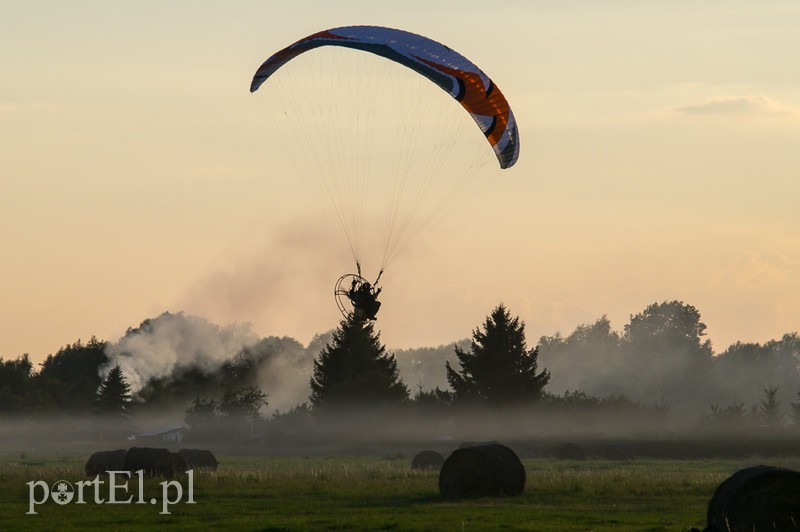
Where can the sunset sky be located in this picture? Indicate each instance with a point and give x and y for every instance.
(659, 161)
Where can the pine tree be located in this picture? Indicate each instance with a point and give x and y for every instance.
(499, 368)
(355, 370)
(770, 409)
(114, 394)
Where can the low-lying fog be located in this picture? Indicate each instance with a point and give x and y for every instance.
(639, 384)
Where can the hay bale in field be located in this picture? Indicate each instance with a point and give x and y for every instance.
(427, 460)
(481, 471)
(178, 464)
(756, 498)
(571, 451)
(103, 461)
(199, 459)
(154, 462)
(619, 451)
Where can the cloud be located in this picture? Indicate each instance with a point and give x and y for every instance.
(748, 105)
(759, 272)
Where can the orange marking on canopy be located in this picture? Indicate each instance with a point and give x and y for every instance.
(477, 102)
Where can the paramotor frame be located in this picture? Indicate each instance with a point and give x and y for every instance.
(355, 295)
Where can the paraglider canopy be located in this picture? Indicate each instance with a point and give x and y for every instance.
(451, 71)
(365, 134)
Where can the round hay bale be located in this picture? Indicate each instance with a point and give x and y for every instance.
(102, 461)
(430, 460)
(619, 451)
(756, 498)
(199, 459)
(154, 462)
(571, 451)
(481, 471)
(179, 466)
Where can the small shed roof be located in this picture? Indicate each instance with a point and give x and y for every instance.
(160, 431)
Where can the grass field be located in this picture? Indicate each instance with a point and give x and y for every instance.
(373, 493)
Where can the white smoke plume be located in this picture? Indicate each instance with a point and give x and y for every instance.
(282, 286)
(163, 344)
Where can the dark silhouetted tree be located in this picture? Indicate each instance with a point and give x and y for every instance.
(19, 392)
(666, 356)
(237, 412)
(113, 396)
(498, 368)
(71, 376)
(355, 370)
(242, 405)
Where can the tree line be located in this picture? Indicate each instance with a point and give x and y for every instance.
(659, 361)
